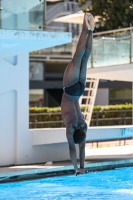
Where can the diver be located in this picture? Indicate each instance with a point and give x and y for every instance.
(74, 82)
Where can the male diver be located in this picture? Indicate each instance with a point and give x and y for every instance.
(74, 81)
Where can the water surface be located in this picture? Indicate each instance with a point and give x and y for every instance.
(107, 185)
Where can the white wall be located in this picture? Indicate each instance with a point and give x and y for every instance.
(115, 73)
(58, 135)
(14, 106)
(7, 127)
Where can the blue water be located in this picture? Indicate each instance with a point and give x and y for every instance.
(109, 185)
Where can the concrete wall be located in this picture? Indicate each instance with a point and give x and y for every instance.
(7, 126)
(115, 73)
(14, 106)
(58, 135)
(102, 97)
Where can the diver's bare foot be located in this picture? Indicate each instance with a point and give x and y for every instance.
(90, 21)
(85, 23)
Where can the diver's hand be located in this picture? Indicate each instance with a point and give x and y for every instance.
(79, 171)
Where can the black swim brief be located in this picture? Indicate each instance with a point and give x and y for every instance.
(75, 90)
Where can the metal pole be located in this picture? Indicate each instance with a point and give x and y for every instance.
(92, 54)
(132, 102)
(130, 45)
(0, 15)
(45, 14)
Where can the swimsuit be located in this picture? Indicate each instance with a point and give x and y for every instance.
(75, 90)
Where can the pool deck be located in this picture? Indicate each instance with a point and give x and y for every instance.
(96, 159)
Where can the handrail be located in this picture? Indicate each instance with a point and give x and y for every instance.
(108, 32)
(112, 31)
(95, 118)
(48, 113)
(112, 111)
(124, 38)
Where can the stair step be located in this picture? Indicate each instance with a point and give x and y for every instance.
(89, 89)
(87, 80)
(87, 97)
(88, 105)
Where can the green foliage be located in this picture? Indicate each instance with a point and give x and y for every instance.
(53, 116)
(114, 107)
(106, 113)
(45, 114)
(113, 14)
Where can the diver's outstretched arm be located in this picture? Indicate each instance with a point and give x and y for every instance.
(72, 150)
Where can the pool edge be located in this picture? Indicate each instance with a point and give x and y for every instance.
(67, 170)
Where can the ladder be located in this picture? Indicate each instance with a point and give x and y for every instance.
(88, 99)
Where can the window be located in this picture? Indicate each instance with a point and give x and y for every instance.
(36, 71)
(36, 97)
(120, 93)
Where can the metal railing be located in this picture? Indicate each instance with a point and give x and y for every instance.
(123, 117)
(120, 40)
(35, 122)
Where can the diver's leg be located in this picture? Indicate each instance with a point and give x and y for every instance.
(72, 72)
(82, 77)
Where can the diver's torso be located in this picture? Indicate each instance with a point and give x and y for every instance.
(69, 112)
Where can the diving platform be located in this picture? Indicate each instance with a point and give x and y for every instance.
(22, 30)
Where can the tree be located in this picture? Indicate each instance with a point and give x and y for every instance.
(113, 14)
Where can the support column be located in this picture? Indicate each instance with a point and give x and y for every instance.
(15, 140)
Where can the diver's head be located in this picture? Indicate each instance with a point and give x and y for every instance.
(79, 136)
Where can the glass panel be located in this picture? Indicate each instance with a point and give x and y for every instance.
(22, 14)
(111, 49)
(75, 42)
(36, 71)
(123, 93)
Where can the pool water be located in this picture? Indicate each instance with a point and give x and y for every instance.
(110, 185)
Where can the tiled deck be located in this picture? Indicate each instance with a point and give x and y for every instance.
(96, 159)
